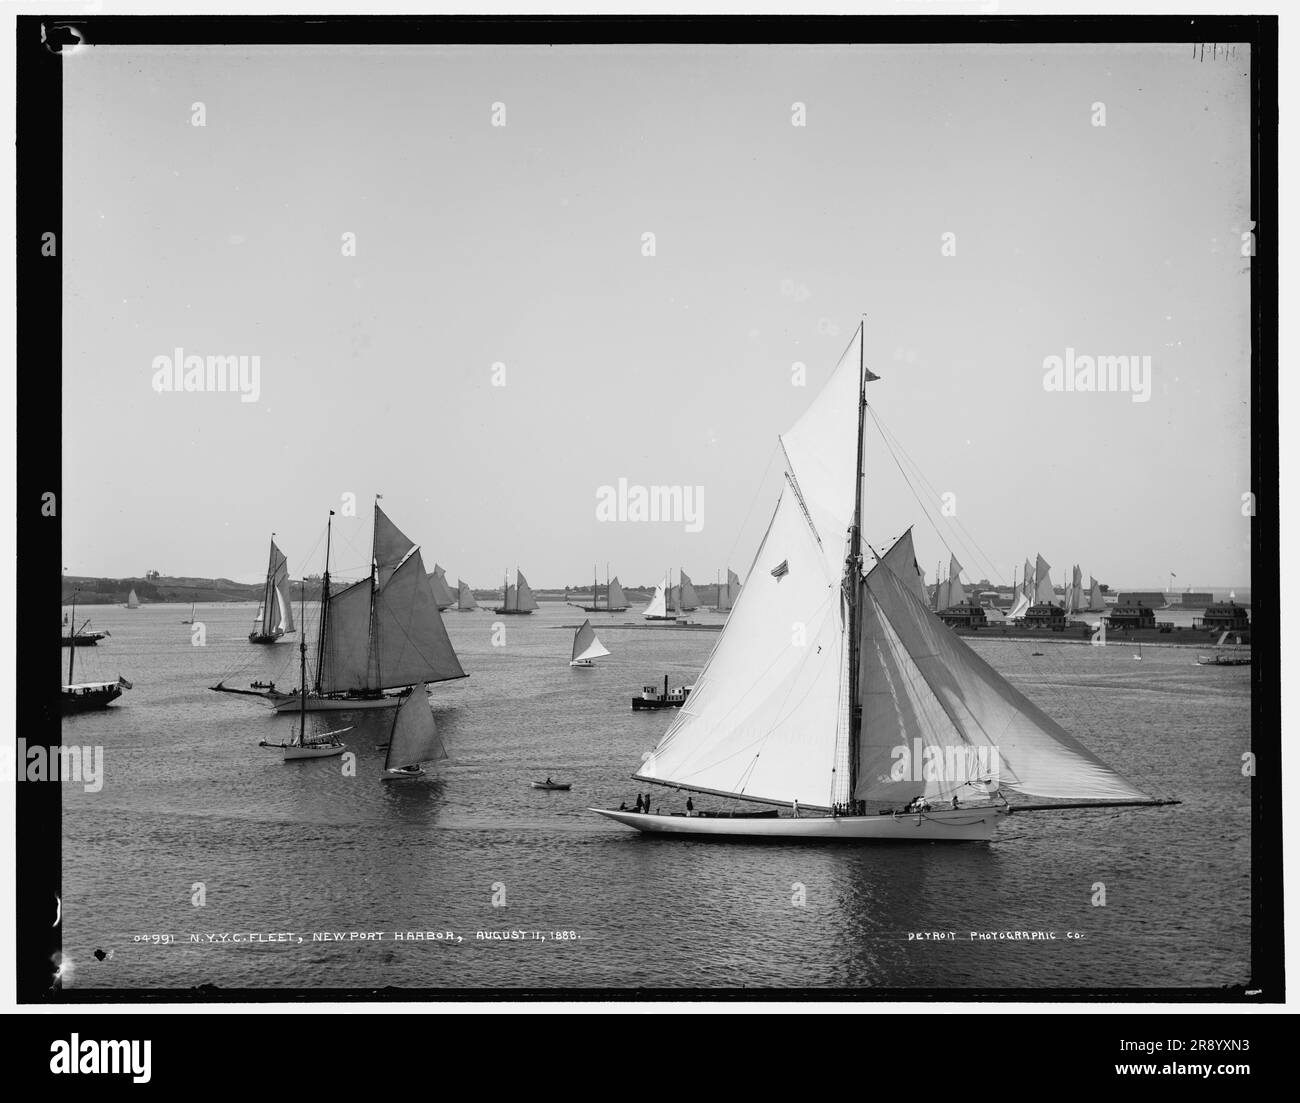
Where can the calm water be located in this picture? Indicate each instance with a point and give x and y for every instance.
(299, 848)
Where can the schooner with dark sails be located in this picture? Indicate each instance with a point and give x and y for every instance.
(877, 722)
(378, 638)
(275, 613)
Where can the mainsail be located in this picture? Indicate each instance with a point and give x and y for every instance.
(658, 606)
(441, 594)
(1043, 591)
(931, 706)
(524, 600)
(385, 631)
(1076, 591)
(769, 717)
(762, 719)
(956, 593)
(464, 596)
(616, 599)
(414, 736)
(132, 602)
(586, 645)
(275, 615)
(687, 599)
(1096, 599)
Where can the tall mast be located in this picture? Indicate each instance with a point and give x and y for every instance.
(266, 588)
(72, 644)
(302, 652)
(595, 591)
(372, 650)
(324, 608)
(854, 573)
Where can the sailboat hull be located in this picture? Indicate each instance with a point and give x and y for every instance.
(329, 750)
(959, 825)
(289, 702)
(85, 698)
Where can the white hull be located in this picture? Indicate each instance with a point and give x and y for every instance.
(944, 825)
(328, 750)
(584, 663)
(289, 702)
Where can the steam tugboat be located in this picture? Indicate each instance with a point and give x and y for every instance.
(653, 698)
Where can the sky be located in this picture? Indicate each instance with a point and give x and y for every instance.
(477, 246)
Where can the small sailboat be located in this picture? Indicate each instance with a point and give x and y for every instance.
(132, 602)
(379, 634)
(658, 607)
(300, 747)
(586, 646)
(843, 731)
(413, 739)
(85, 696)
(191, 620)
(465, 602)
(516, 600)
(441, 594)
(275, 615)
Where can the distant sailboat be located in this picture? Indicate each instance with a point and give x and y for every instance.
(1044, 593)
(85, 696)
(727, 594)
(1096, 599)
(132, 602)
(615, 600)
(465, 602)
(191, 620)
(413, 739)
(300, 747)
(819, 728)
(441, 593)
(275, 615)
(516, 600)
(683, 598)
(586, 646)
(658, 607)
(382, 633)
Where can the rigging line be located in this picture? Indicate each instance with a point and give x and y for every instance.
(969, 543)
(963, 537)
(758, 490)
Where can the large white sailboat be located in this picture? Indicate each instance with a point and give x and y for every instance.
(845, 728)
(381, 634)
(516, 600)
(275, 614)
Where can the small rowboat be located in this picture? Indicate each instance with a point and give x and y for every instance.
(552, 785)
